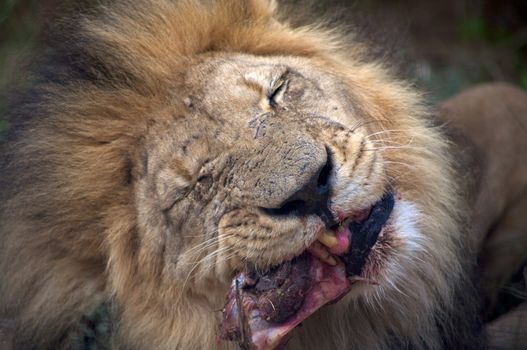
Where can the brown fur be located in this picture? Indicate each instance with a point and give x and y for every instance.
(489, 125)
(136, 175)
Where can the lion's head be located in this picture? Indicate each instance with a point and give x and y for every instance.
(183, 140)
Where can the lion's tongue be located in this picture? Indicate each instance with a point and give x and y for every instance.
(262, 310)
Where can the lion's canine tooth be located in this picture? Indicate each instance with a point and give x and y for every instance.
(330, 261)
(328, 239)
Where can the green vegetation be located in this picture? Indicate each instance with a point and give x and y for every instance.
(479, 30)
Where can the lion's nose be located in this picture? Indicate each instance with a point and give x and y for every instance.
(312, 197)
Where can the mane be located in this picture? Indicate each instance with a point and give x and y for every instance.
(66, 163)
(148, 42)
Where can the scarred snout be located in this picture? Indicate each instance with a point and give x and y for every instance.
(312, 194)
(288, 177)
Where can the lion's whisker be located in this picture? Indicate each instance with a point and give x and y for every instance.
(196, 265)
(206, 245)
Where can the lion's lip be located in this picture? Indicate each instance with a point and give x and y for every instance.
(364, 234)
(352, 239)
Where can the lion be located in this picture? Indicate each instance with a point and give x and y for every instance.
(169, 144)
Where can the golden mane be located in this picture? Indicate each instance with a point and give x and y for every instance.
(69, 233)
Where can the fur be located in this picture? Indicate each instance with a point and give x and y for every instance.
(130, 177)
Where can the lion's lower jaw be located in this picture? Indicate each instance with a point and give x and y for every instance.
(367, 318)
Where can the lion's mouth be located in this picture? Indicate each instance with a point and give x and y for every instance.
(263, 307)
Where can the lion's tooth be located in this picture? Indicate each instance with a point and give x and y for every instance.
(328, 239)
(330, 261)
(322, 253)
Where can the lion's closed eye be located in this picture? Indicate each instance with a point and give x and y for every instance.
(270, 81)
(276, 91)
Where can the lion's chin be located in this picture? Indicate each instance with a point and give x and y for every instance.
(262, 308)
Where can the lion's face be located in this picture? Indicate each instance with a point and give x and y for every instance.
(269, 152)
